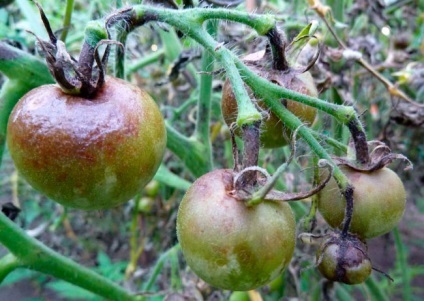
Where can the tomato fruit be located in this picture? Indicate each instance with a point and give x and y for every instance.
(273, 132)
(87, 153)
(378, 202)
(229, 245)
(344, 260)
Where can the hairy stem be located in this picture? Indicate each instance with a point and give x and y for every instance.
(120, 54)
(189, 22)
(204, 101)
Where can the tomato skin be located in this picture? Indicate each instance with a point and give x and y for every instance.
(228, 244)
(87, 153)
(379, 202)
(273, 132)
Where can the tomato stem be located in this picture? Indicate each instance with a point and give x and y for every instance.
(204, 100)
(34, 255)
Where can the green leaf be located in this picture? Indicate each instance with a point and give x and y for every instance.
(111, 270)
(16, 276)
(300, 41)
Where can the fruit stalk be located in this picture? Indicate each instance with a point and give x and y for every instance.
(360, 141)
(250, 155)
(277, 43)
(94, 33)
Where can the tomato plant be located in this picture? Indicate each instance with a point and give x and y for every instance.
(379, 202)
(229, 245)
(94, 142)
(87, 153)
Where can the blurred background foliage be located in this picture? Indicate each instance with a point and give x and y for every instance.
(135, 244)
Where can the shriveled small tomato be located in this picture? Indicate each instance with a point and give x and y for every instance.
(378, 202)
(344, 259)
(87, 153)
(229, 245)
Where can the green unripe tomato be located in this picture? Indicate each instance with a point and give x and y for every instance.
(344, 260)
(229, 245)
(152, 189)
(87, 153)
(378, 202)
(145, 204)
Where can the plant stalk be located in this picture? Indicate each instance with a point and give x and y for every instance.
(36, 256)
(67, 20)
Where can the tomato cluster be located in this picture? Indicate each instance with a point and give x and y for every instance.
(97, 152)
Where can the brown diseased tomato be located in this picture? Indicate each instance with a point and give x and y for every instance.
(229, 245)
(344, 259)
(87, 153)
(273, 132)
(379, 202)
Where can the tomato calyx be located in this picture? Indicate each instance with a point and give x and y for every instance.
(379, 157)
(75, 77)
(253, 184)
